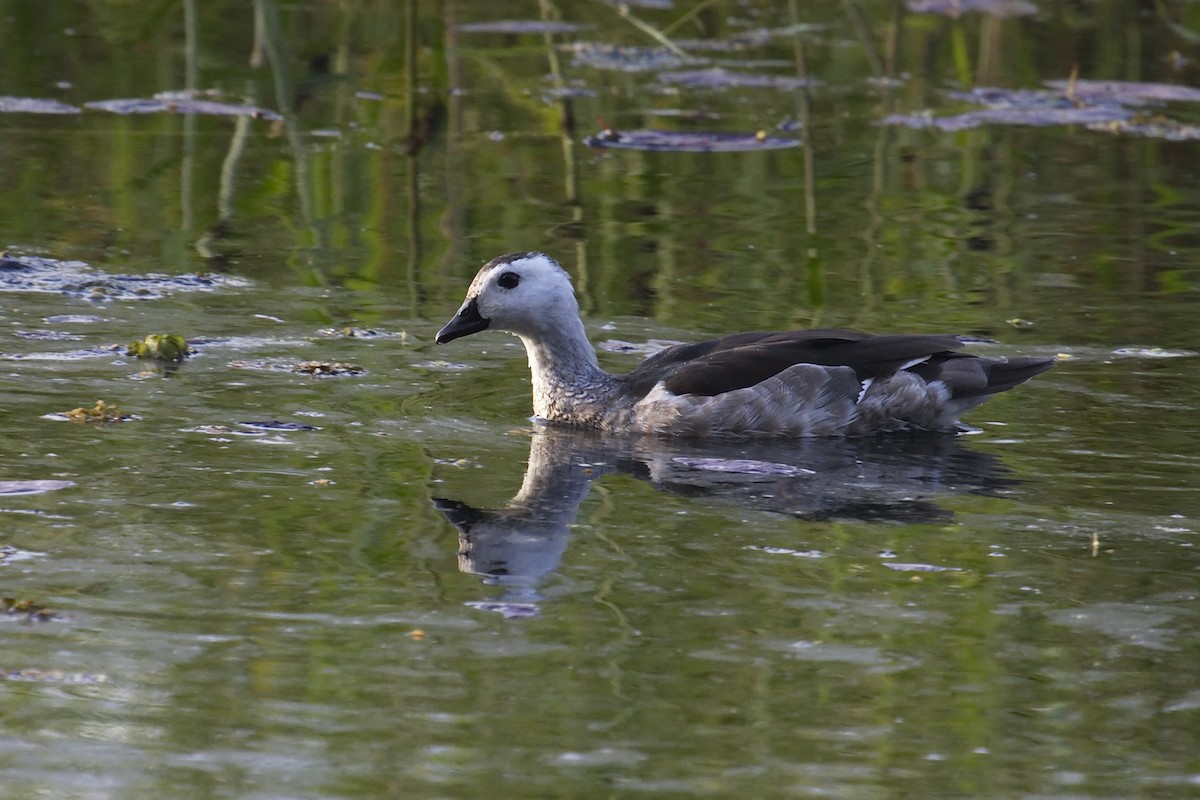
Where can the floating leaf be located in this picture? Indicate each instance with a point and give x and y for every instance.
(161, 347)
(35, 105)
(688, 141)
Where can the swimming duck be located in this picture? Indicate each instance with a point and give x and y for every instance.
(792, 383)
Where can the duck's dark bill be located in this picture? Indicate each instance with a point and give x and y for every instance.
(466, 322)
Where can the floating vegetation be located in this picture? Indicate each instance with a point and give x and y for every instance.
(1126, 93)
(956, 8)
(78, 279)
(26, 610)
(720, 79)
(361, 333)
(1106, 106)
(520, 26)
(319, 369)
(325, 369)
(160, 347)
(35, 105)
(276, 425)
(688, 141)
(182, 103)
(1013, 115)
(101, 413)
(627, 59)
(13, 488)
(1151, 127)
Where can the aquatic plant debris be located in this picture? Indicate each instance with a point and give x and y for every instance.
(956, 8)
(101, 413)
(1106, 106)
(35, 105)
(160, 347)
(182, 102)
(520, 26)
(14, 488)
(688, 141)
(325, 369)
(26, 610)
(78, 279)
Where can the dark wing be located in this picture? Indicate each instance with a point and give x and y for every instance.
(745, 359)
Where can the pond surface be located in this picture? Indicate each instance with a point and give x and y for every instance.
(387, 582)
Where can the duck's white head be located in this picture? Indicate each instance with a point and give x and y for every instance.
(528, 294)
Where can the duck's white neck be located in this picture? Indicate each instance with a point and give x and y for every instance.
(568, 384)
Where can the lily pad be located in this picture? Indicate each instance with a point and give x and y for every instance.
(520, 26)
(688, 141)
(956, 8)
(35, 105)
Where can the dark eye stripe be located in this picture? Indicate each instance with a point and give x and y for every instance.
(509, 280)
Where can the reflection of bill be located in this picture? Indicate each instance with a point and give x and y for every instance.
(885, 479)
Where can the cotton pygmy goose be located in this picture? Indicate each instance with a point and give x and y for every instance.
(791, 383)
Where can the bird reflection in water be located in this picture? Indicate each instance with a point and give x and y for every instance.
(893, 478)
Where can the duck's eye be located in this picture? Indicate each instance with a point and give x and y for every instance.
(509, 280)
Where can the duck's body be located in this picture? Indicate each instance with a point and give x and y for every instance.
(793, 383)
